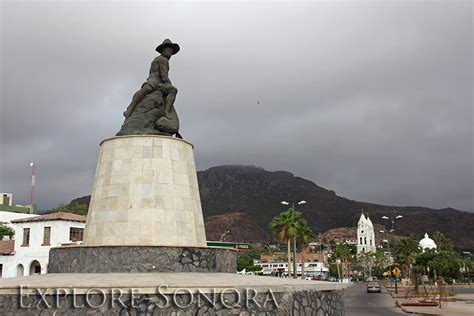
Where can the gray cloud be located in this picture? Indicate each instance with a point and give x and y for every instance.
(370, 99)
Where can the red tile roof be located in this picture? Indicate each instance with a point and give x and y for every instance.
(7, 247)
(60, 216)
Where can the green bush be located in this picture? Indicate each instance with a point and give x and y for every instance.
(6, 230)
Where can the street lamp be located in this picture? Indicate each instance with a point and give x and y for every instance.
(293, 203)
(320, 244)
(33, 180)
(391, 230)
(222, 237)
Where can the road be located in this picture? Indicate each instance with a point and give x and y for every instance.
(358, 302)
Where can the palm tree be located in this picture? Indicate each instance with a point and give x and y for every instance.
(405, 250)
(443, 242)
(293, 233)
(306, 234)
(342, 251)
(284, 227)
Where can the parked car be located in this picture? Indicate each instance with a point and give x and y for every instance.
(374, 287)
(308, 276)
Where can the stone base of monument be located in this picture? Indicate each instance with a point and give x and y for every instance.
(167, 294)
(105, 259)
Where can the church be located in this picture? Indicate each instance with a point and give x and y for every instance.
(365, 235)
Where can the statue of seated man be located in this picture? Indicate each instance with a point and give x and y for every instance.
(158, 79)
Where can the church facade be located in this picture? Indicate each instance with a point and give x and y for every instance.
(365, 235)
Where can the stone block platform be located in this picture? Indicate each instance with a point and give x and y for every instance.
(105, 259)
(167, 294)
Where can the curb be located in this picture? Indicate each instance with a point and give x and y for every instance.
(403, 308)
(410, 312)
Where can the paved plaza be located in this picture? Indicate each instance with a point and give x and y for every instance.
(150, 281)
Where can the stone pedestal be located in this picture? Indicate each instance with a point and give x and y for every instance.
(145, 213)
(145, 193)
(141, 259)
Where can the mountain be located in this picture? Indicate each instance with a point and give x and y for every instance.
(244, 200)
(341, 234)
(258, 193)
(235, 227)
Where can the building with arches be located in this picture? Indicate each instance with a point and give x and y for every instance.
(365, 235)
(28, 253)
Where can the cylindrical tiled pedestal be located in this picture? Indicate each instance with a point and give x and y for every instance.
(145, 193)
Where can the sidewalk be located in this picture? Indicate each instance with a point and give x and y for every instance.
(457, 305)
(452, 309)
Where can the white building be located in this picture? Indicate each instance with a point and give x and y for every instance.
(365, 235)
(28, 253)
(427, 243)
(8, 217)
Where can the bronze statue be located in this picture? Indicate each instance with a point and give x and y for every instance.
(152, 108)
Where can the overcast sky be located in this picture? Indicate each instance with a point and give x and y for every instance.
(372, 99)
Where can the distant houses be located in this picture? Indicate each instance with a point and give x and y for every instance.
(6, 205)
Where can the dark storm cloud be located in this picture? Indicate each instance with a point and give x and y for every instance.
(370, 99)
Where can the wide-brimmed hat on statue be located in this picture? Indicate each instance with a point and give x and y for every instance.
(168, 43)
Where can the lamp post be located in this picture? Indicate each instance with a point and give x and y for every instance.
(392, 220)
(293, 203)
(295, 272)
(320, 244)
(468, 254)
(389, 257)
(33, 180)
(222, 237)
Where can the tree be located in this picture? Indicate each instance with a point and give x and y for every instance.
(76, 208)
(343, 252)
(366, 261)
(284, 227)
(306, 234)
(405, 251)
(245, 259)
(446, 265)
(443, 263)
(442, 242)
(6, 230)
(382, 261)
(424, 259)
